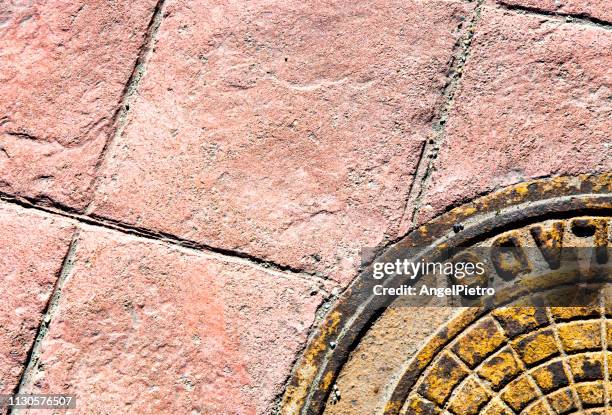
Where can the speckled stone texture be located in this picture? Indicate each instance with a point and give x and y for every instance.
(285, 130)
(534, 101)
(148, 329)
(32, 249)
(63, 69)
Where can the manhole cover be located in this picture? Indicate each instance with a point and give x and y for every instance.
(538, 348)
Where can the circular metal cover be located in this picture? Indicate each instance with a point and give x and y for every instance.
(370, 355)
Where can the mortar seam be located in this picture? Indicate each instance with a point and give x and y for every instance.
(119, 119)
(48, 313)
(166, 239)
(431, 148)
(569, 18)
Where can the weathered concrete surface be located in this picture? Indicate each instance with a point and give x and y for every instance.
(32, 248)
(533, 101)
(147, 329)
(289, 131)
(63, 68)
(593, 9)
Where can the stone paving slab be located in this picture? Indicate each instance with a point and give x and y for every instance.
(32, 249)
(534, 101)
(144, 328)
(63, 70)
(599, 10)
(289, 131)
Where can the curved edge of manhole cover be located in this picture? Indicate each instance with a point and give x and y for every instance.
(329, 347)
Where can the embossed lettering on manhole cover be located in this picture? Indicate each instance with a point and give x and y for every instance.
(538, 346)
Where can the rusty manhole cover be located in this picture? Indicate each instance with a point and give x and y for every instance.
(371, 355)
(513, 360)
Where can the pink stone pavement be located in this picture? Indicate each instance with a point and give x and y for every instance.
(181, 332)
(186, 186)
(534, 101)
(282, 130)
(31, 256)
(63, 71)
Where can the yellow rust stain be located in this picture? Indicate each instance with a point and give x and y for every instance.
(522, 189)
(443, 376)
(545, 282)
(519, 192)
(463, 211)
(544, 378)
(415, 405)
(327, 380)
(496, 407)
(588, 366)
(442, 246)
(307, 370)
(599, 227)
(550, 377)
(557, 183)
(535, 347)
(470, 398)
(580, 336)
(426, 354)
(479, 342)
(392, 408)
(549, 239)
(537, 408)
(500, 368)
(320, 343)
(602, 182)
(567, 313)
(520, 319)
(470, 210)
(562, 401)
(591, 393)
(457, 324)
(519, 393)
